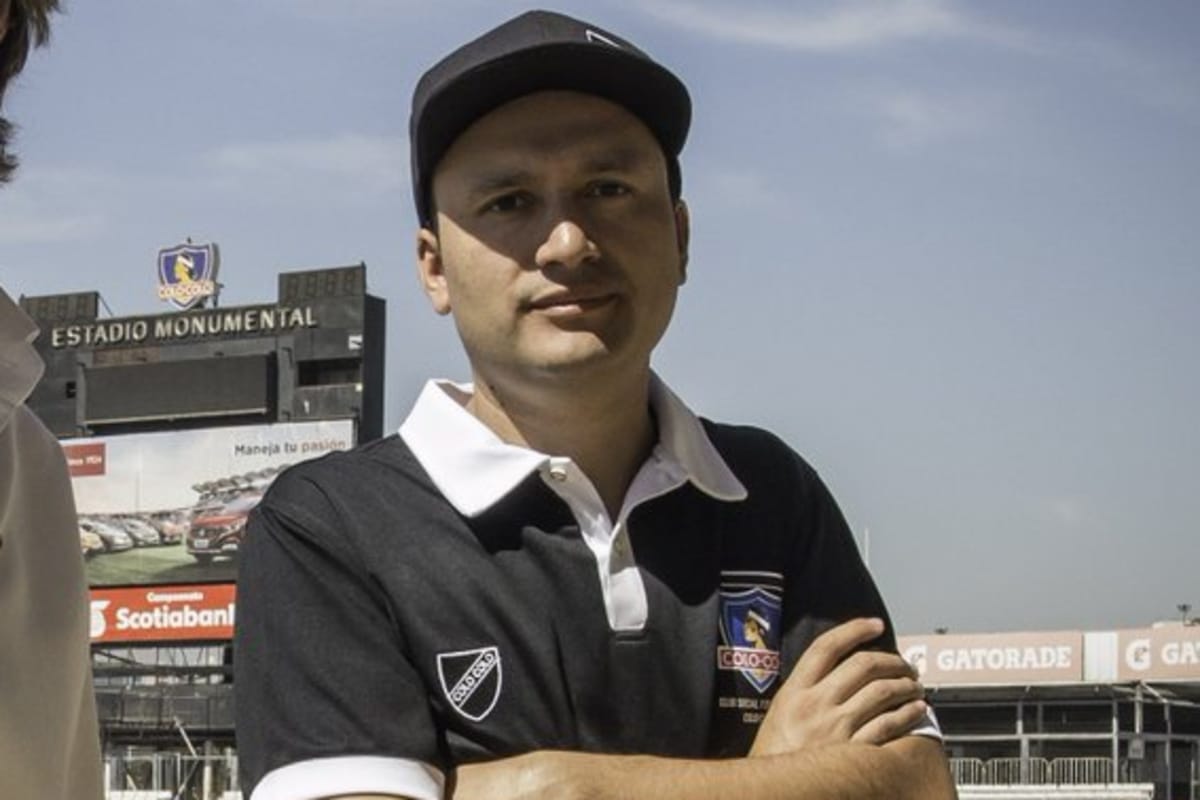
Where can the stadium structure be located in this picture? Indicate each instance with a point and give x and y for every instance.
(174, 425)
(1050, 714)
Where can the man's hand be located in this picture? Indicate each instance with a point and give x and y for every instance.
(820, 739)
(869, 697)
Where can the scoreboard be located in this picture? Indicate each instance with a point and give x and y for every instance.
(315, 353)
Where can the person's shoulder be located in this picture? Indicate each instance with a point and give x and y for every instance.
(750, 451)
(337, 499)
(344, 472)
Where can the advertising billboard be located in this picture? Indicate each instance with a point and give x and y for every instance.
(995, 658)
(1168, 652)
(162, 613)
(170, 507)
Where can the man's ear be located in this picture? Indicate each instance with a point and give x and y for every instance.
(431, 272)
(683, 233)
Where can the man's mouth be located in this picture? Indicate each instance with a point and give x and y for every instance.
(570, 302)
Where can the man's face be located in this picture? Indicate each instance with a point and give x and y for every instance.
(558, 247)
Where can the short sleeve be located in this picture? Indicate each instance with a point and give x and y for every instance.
(828, 582)
(327, 701)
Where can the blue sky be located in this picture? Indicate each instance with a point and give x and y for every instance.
(948, 250)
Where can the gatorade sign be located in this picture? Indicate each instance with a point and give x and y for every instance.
(1170, 652)
(162, 613)
(984, 658)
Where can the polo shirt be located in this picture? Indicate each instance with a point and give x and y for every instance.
(441, 597)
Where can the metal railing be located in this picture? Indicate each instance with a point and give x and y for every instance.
(1081, 770)
(969, 771)
(1040, 771)
(170, 776)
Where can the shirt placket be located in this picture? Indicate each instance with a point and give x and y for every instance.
(620, 581)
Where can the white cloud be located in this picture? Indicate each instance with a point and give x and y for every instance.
(356, 163)
(838, 27)
(851, 26)
(910, 119)
(42, 229)
(53, 204)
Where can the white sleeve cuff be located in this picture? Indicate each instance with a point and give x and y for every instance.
(928, 726)
(320, 778)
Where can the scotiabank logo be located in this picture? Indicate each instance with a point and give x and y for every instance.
(163, 613)
(99, 622)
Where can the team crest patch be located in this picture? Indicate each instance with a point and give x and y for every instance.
(751, 618)
(471, 680)
(187, 274)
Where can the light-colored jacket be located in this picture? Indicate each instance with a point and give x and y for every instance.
(49, 739)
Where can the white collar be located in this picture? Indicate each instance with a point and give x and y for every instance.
(20, 366)
(474, 469)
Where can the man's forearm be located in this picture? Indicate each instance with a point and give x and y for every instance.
(909, 768)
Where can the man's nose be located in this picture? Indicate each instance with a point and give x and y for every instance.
(567, 244)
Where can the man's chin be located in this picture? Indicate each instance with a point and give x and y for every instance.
(581, 358)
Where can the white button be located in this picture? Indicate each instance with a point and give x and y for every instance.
(558, 473)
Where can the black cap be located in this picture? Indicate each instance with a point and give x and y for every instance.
(539, 51)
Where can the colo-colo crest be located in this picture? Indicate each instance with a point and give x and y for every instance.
(187, 274)
(750, 623)
(471, 680)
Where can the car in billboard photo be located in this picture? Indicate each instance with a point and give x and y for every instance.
(143, 533)
(115, 540)
(218, 526)
(172, 526)
(90, 543)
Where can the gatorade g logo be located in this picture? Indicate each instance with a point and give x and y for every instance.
(1137, 655)
(918, 657)
(471, 680)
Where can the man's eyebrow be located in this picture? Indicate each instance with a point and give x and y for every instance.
(618, 159)
(489, 182)
(621, 159)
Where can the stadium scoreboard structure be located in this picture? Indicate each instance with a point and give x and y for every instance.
(173, 426)
(316, 353)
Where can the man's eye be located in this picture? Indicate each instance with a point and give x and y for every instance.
(507, 203)
(607, 189)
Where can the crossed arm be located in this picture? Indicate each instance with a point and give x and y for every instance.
(836, 729)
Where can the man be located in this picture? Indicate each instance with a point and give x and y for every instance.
(541, 587)
(49, 740)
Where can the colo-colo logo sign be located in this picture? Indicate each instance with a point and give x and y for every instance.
(187, 274)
